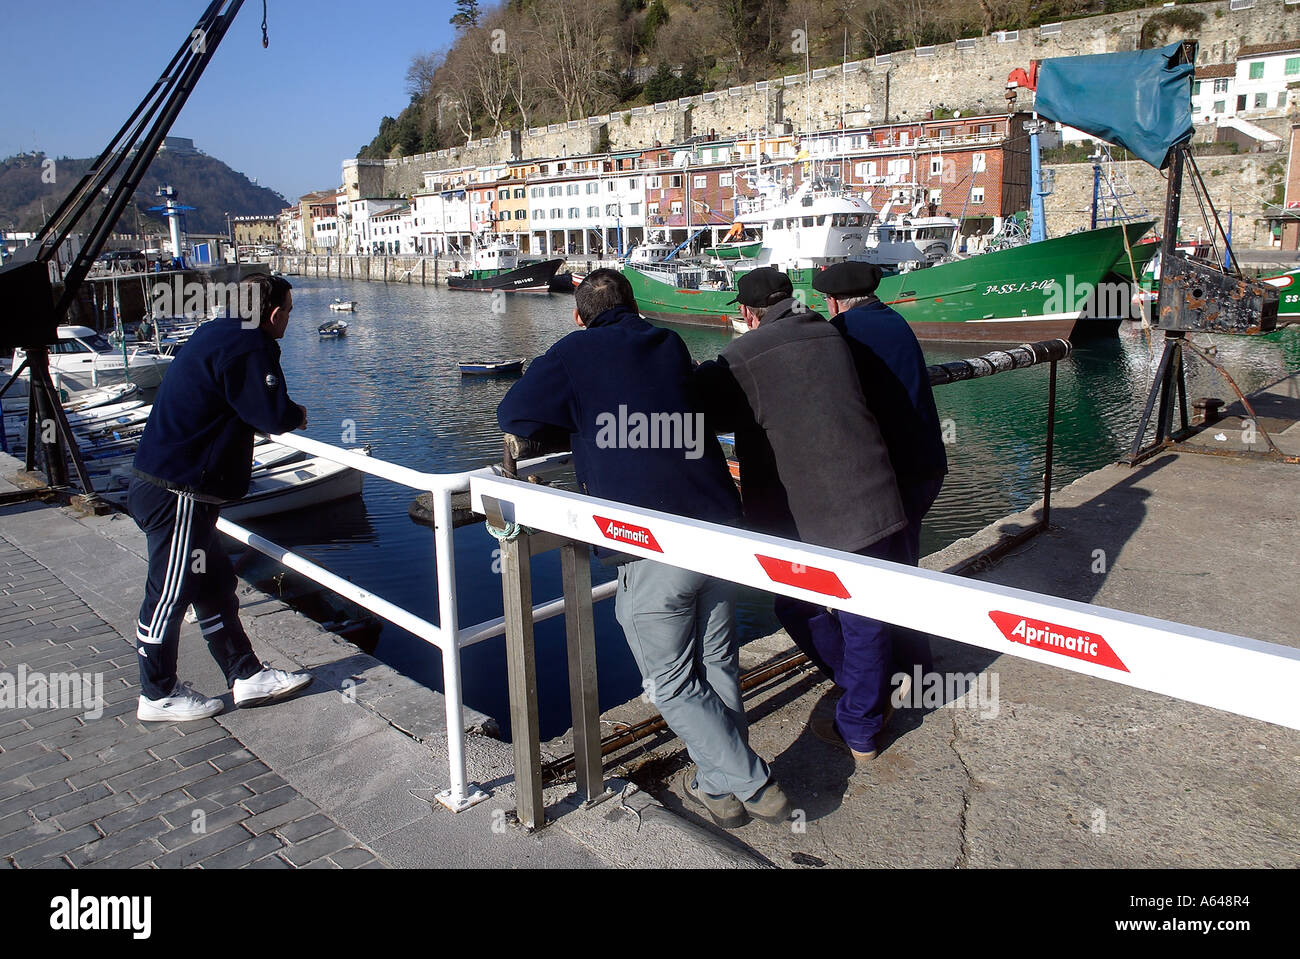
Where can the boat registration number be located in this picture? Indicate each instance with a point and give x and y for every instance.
(1001, 288)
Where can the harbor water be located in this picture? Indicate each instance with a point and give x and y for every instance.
(393, 383)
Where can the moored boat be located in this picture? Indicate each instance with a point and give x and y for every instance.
(492, 368)
(333, 329)
(344, 306)
(1024, 293)
(496, 267)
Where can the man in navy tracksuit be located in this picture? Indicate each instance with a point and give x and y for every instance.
(896, 384)
(618, 393)
(197, 453)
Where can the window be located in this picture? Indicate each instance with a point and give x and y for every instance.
(573, 213)
(654, 183)
(571, 189)
(503, 194)
(674, 181)
(593, 212)
(521, 214)
(936, 196)
(555, 191)
(1257, 70)
(631, 184)
(593, 187)
(1221, 85)
(977, 163)
(652, 209)
(699, 182)
(977, 195)
(1292, 66)
(724, 179)
(1241, 102)
(634, 209)
(903, 138)
(1218, 106)
(1281, 99)
(945, 133)
(936, 166)
(676, 206)
(1261, 101)
(476, 196)
(609, 186)
(519, 193)
(1196, 88)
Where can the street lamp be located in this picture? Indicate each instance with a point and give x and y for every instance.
(230, 235)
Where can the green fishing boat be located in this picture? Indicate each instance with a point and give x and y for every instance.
(1035, 291)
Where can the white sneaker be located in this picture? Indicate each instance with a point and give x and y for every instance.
(183, 705)
(268, 686)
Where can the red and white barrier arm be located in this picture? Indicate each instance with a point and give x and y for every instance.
(1240, 675)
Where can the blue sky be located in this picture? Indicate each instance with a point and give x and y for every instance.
(287, 115)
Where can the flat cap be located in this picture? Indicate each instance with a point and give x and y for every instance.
(847, 279)
(756, 287)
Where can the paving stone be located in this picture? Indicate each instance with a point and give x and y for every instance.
(29, 796)
(117, 842)
(306, 828)
(190, 738)
(69, 801)
(97, 810)
(46, 734)
(18, 754)
(285, 813)
(148, 771)
(265, 801)
(42, 761)
(144, 810)
(214, 820)
(140, 854)
(181, 779)
(55, 845)
(68, 769)
(269, 862)
(319, 864)
(352, 857)
(209, 845)
(244, 853)
(231, 796)
(265, 783)
(206, 751)
(236, 758)
(230, 777)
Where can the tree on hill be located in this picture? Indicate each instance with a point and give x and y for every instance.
(467, 14)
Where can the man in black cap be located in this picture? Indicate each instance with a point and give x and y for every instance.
(813, 467)
(895, 381)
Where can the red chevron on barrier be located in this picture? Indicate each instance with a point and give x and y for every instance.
(803, 576)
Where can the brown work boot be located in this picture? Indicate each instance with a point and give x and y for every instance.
(769, 804)
(726, 811)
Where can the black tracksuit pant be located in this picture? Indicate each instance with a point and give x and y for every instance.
(187, 565)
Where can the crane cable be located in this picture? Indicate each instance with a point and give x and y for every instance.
(266, 42)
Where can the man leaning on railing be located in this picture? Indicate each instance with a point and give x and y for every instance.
(597, 391)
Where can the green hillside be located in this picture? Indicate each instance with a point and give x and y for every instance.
(200, 181)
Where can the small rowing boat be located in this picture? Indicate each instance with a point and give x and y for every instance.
(333, 329)
(493, 368)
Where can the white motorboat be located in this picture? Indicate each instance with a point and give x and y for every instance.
(293, 486)
(81, 359)
(78, 401)
(344, 306)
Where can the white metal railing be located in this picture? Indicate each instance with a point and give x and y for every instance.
(1234, 673)
(447, 634)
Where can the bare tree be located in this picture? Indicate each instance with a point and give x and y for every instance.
(573, 53)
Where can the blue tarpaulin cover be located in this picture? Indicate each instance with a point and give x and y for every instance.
(1141, 101)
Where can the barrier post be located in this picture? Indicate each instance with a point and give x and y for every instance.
(580, 634)
(521, 667)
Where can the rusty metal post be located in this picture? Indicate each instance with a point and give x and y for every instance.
(521, 667)
(580, 635)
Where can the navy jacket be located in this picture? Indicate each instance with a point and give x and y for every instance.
(813, 465)
(896, 384)
(621, 391)
(226, 384)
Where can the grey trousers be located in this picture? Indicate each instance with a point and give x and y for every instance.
(681, 630)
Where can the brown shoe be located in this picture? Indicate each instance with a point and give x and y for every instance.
(727, 811)
(823, 728)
